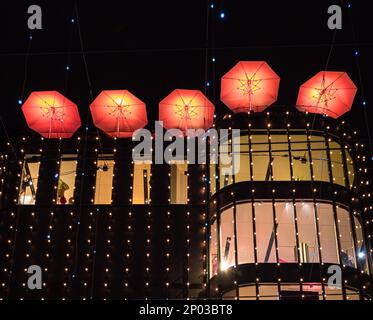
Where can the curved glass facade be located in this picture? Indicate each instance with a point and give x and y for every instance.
(308, 291)
(285, 233)
(277, 156)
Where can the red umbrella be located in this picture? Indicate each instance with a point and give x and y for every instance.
(249, 86)
(51, 114)
(118, 113)
(186, 109)
(329, 92)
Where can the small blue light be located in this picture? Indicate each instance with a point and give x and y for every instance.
(48, 236)
(72, 20)
(349, 5)
(222, 15)
(371, 158)
(364, 103)
(19, 101)
(56, 175)
(213, 59)
(67, 67)
(87, 128)
(356, 53)
(208, 84)
(212, 6)
(30, 37)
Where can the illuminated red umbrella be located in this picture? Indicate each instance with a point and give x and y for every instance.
(186, 109)
(118, 113)
(249, 86)
(51, 114)
(328, 92)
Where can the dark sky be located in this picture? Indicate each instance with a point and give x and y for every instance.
(153, 47)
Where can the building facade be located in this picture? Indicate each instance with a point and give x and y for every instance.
(291, 209)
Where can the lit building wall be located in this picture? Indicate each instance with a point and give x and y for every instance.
(103, 226)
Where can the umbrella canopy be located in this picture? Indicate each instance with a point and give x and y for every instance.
(186, 109)
(118, 113)
(249, 86)
(329, 92)
(51, 114)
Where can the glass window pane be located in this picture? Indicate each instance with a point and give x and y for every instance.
(265, 233)
(308, 251)
(225, 165)
(104, 181)
(66, 181)
(350, 169)
(332, 293)
(337, 163)
(179, 183)
(319, 159)
(268, 292)
(300, 158)
(286, 232)
(312, 291)
(361, 249)
(280, 158)
(29, 180)
(242, 161)
(141, 183)
(247, 292)
(227, 240)
(290, 292)
(328, 235)
(260, 156)
(345, 238)
(214, 265)
(245, 237)
(212, 179)
(352, 294)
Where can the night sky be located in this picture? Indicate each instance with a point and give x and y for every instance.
(153, 47)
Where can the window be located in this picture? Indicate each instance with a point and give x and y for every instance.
(179, 183)
(345, 237)
(286, 232)
(319, 159)
(225, 164)
(280, 158)
(337, 163)
(247, 292)
(212, 179)
(350, 169)
(268, 292)
(242, 161)
(245, 239)
(361, 248)
(265, 232)
(308, 251)
(260, 156)
(328, 235)
(104, 180)
(227, 240)
(214, 263)
(141, 183)
(29, 180)
(66, 180)
(265, 235)
(333, 293)
(300, 158)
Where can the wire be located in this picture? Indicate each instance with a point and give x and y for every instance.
(188, 49)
